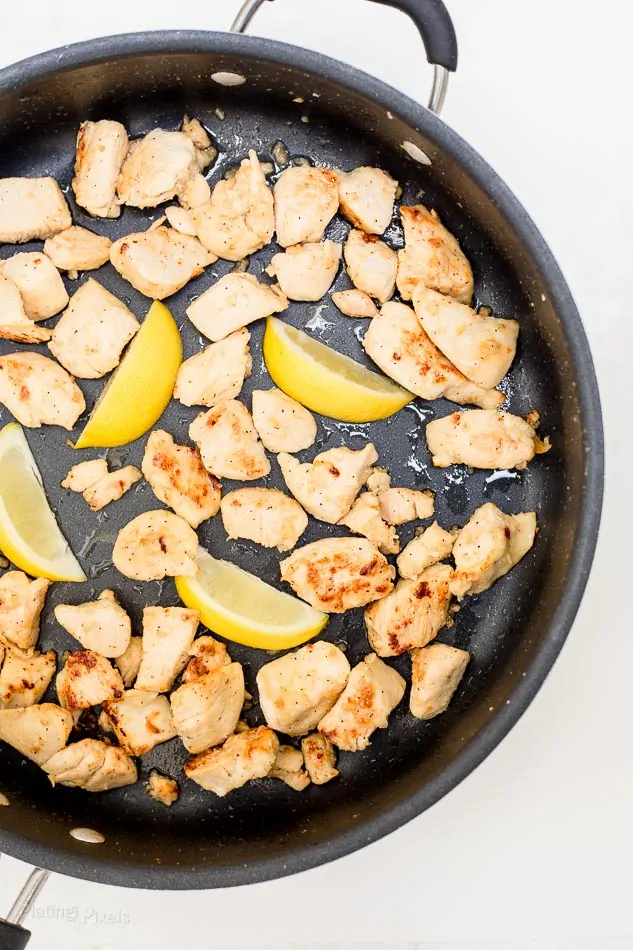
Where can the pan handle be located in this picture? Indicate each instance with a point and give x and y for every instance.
(432, 20)
(12, 935)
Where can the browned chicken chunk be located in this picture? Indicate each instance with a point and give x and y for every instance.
(140, 720)
(101, 149)
(364, 518)
(78, 249)
(159, 262)
(319, 756)
(168, 633)
(429, 547)
(25, 679)
(206, 655)
(488, 546)
(100, 625)
(264, 515)
(432, 256)
(37, 391)
(206, 710)
(283, 424)
(355, 303)
(38, 732)
(162, 789)
(367, 196)
(98, 486)
(21, 603)
(399, 505)
(243, 758)
(154, 545)
(228, 443)
(92, 765)
(327, 486)
(436, 673)
(179, 479)
(306, 200)
(87, 679)
(216, 374)
(163, 165)
(483, 438)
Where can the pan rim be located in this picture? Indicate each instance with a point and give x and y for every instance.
(88, 867)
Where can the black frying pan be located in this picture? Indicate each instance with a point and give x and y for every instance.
(514, 631)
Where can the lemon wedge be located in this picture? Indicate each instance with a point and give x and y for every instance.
(241, 607)
(29, 534)
(327, 381)
(140, 389)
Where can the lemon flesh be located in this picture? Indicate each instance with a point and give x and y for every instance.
(327, 381)
(29, 534)
(241, 607)
(140, 389)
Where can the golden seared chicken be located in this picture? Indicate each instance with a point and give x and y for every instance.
(432, 256)
(217, 373)
(436, 672)
(396, 341)
(338, 574)
(413, 614)
(232, 302)
(355, 303)
(14, 323)
(162, 789)
(92, 332)
(37, 391)
(481, 347)
(378, 480)
(25, 679)
(429, 547)
(327, 487)
(140, 720)
(179, 479)
(38, 732)
(101, 150)
(206, 655)
(31, 209)
(488, 546)
(21, 603)
(367, 196)
(39, 282)
(128, 664)
(244, 757)
(159, 262)
(399, 505)
(319, 756)
(306, 271)
(228, 442)
(100, 625)
(296, 690)
(372, 693)
(371, 265)
(364, 518)
(78, 249)
(92, 765)
(306, 200)
(87, 679)
(239, 219)
(483, 438)
(181, 220)
(154, 545)
(283, 424)
(288, 767)
(206, 710)
(168, 633)
(98, 486)
(263, 515)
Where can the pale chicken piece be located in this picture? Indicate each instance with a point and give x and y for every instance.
(432, 256)
(436, 672)
(21, 603)
(14, 323)
(306, 271)
(207, 655)
(364, 518)
(159, 262)
(372, 693)
(327, 487)
(483, 438)
(92, 332)
(367, 197)
(39, 282)
(101, 150)
(413, 614)
(140, 720)
(288, 767)
(85, 474)
(399, 505)
(232, 302)
(371, 265)
(355, 303)
(154, 545)
(338, 574)
(296, 690)
(244, 757)
(217, 373)
(378, 480)
(488, 546)
(265, 516)
(181, 220)
(93, 765)
(481, 347)
(25, 679)
(432, 545)
(100, 625)
(168, 633)
(179, 479)
(162, 789)
(78, 249)
(319, 756)
(206, 710)
(129, 663)
(31, 209)
(38, 391)
(228, 443)
(87, 679)
(38, 732)
(111, 487)
(306, 200)
(283, 424)
(161, 166)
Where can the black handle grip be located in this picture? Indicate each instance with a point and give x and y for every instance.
(436, 29)
(13, 937)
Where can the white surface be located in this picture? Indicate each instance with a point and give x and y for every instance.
(533, 851)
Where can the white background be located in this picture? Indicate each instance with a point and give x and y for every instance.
(534, 850)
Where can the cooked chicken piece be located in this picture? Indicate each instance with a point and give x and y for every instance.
(488, 546)
(217, 374)
(207, 655)
(111, 487)
(306, 200)
(413, 614)
(432, 256)
(371, 265)
(100, 625)
(243, 757)
(433, 545)
(39, 282)
(367, 196)
(101, 150)
(239, 219)
(228, 442)
(179, 479)
(21, 603)
(355, 303)
(158, 263)
(92, 765)
(87, 679)
(373, 691)
(162, 789)
(140, 720)
(129, 663)
(364, 518)
(161, 166)
(396, 341)
(31, 209)
(168, 634)
(436, 673)
(233, 302)
(399, 505)
(38, 732)
(483, 438)
(207, 709)
(378, 480)
(338, 574)
(25, 679)
(306, 271)
(154, 545)
(288, 766)
(37, 391)
(27, 332)
(296, 690)
(319, 756)
(181, 220)
(78, 249)
(265, 516)
(327, 487)
(283, 424)
(85, 475)
(14, 323)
